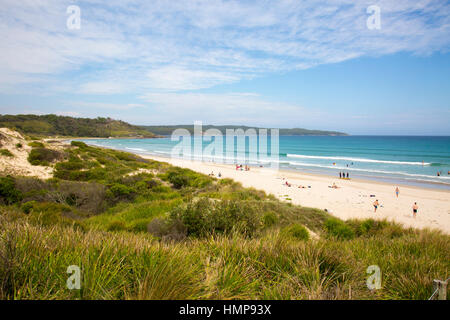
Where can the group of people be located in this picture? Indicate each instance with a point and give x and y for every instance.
(287, 184)
(342, 175)
(241, 167)
(219, 175)
(415, 207)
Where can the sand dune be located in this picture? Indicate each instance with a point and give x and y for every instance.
(351, 200)
(18, 164)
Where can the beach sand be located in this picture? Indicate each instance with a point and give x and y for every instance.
(351, 200)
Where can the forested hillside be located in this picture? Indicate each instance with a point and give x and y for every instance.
(53, 125)
(167, 130)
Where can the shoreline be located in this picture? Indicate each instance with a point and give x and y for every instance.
(352, 200)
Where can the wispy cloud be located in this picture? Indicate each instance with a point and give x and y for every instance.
(185, 45)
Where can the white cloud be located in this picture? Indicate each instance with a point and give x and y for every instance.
(107, 106)
(179, 78)
(132, 46)
(68, 113)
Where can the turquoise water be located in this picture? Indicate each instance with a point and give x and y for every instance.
(409, 160)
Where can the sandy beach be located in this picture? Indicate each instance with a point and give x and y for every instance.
(353, 198)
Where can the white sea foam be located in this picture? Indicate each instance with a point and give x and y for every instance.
(136, 149)
(357, 159)
(294, 163)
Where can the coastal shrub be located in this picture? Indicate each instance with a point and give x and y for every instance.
(270, 218)
(338, 229)
(86, 196)
(203, 217)
(78, 144)
(36, 144)
(49, 214)
(8, 191)
(27, 206)
(117, 192)
(167, 230)
(69, 165)
(19, 145)
(116, 225)
(379, 228)
(43, 156)
(295, 231)
(6, 153)
(180, 178)
(226, 181)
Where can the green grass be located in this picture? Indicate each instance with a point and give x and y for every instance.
(124, 265)
(141, 229)
(6, 153)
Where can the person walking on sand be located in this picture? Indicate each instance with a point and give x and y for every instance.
(375, 205)
(340, 175)
(415, 208)
(397, 191)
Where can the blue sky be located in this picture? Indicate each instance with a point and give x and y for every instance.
(312, 64)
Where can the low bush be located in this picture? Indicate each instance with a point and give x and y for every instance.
(8, 191)
(19, 145)
(43, 156)
(6, 153)
(180, 178)
(296, 231)
(78, 144)
(49, 214)
(270, 218)
(204, 217)
(116, 226)
(167, 230)
(339, 229)
(27, 207)
(117, 192)
(36, 144)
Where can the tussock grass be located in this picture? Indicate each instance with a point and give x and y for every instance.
(140, 229)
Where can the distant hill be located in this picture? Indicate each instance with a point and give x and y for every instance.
(53, 125)
(167, 130)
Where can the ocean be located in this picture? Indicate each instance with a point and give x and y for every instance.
(396, 159)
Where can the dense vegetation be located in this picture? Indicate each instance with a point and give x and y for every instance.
(53, 125)
(167, 130)
(141, 229)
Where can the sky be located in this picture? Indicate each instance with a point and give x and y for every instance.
(329, 64)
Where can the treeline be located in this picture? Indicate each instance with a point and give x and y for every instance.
(167, 130)
(53, 125)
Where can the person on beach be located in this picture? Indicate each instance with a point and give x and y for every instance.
(340, 175)
(347, 175)
(397, 191)
(375, 205)
(415, 208)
